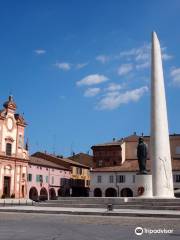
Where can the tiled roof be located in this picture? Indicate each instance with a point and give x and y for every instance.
(82, 158)
(119, 142)
(46, 163)
(132, 166)
(58, 160)
(130, 138)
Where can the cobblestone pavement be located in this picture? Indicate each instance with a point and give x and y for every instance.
(62, 227)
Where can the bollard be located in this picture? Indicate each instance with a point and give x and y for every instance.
(110, 207)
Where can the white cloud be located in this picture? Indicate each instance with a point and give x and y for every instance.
(40, 51)
(81, 65)
(128, 53)
(143, 53)
(143, 65)
(166, 56)
(92, 80)
(102, 58)
(175, 74)
(142, 56)
(113, 100)
(63, 66)
(113, 87)
(125, 69)
(91, 92)
(139, 53)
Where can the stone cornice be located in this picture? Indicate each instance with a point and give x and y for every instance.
(15, 159)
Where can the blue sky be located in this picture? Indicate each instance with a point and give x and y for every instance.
(80, 70)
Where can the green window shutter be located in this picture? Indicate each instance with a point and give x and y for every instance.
(29, 177)
(52, 180)
(37, 178)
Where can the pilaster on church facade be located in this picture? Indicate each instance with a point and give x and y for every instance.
(13, 154)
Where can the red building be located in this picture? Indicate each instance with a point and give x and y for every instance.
(108, 154)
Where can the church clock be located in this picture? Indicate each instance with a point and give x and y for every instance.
(10, 124)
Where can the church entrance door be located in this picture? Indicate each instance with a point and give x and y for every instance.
(7, 184)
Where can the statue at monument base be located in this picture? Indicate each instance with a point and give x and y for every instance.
(142, 156)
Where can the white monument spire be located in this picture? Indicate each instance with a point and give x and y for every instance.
(162, 181)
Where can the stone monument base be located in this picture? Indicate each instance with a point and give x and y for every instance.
(144, 185)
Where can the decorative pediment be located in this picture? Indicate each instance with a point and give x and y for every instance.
(9, 139)
(3, 114)
(8, 167)
(20, 120)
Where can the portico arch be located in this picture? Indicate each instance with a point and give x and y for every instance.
(33, 194)
(110, 192)
(97, 192)
(43, 194)
(52, 194)
(126, 192)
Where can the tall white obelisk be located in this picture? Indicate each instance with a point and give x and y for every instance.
(162, 180)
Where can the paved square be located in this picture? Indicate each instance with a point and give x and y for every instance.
(23, 226)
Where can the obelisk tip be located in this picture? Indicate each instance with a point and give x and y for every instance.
(154, 35)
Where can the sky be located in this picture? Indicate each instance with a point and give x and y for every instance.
(79, 70)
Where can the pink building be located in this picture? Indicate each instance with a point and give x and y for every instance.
(47, 180)
(13, 154)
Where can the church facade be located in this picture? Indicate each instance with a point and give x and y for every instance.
(13, 153)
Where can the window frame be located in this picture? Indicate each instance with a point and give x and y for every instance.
(99, 179)
(8, 150)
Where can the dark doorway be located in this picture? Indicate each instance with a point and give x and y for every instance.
(23, 192)
(79, 192)
(52, 194)
(97, 192)
(43, 194)
(33, 194)
(7, 186)
(126, 192)
(64, 192)
(111, 192)
(60, 192)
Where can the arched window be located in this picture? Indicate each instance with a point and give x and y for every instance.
(8, 149)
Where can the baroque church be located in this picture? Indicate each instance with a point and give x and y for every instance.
(13, 153)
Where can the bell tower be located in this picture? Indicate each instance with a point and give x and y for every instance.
(12, 126)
